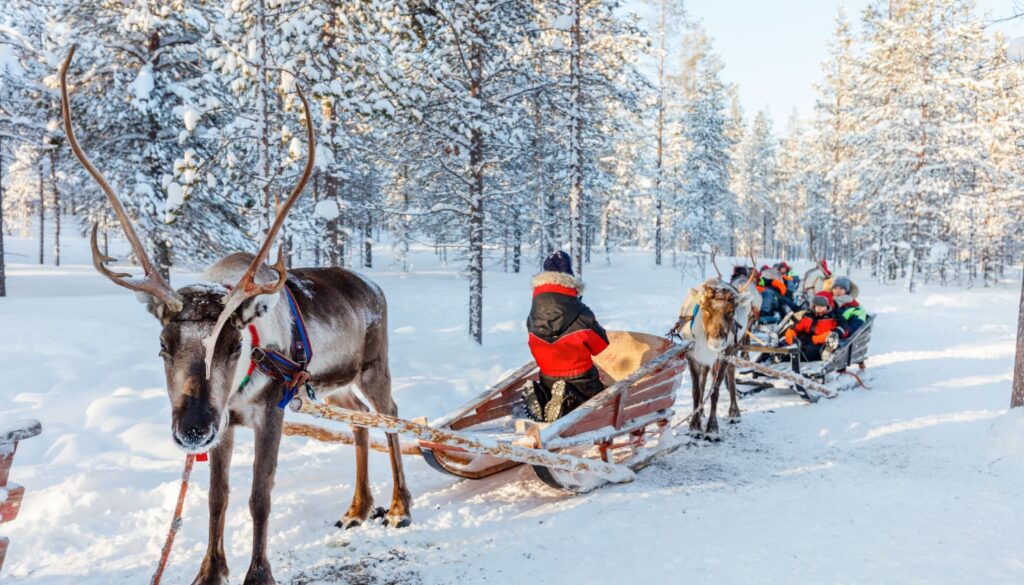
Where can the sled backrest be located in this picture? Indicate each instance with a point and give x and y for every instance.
(627, 351)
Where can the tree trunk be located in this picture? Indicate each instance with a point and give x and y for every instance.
(576, 194)
(659, 205)
(56, 208)
(42, 215)
(517, 239)
(1017, 398)
(3, 263)
(476, 239)
(476, 206)
(368, 243)
(316, 199)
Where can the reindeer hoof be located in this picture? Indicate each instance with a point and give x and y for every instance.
(346, 523)
(378, 513)
(259, 574)
(216, 579)
(397, 520)
(734, 419)
(712, 437)
(214, 571)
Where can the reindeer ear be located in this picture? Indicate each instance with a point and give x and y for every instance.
(156, 307)
(252, 309)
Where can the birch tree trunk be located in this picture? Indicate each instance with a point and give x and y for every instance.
(3, 264)
(56, 208)
(1017, 398)
(658, 202)
(576, 194)
(42, 215)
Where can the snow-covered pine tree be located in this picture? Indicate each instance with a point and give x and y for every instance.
(830, 215)
(670, 19)
(136, 102)
(597, 90)
(705, 199)
(469, 79)
(757, 197)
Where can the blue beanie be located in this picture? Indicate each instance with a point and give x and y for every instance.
(558, 262)
(843, 283)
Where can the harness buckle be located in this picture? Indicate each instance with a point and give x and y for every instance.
(258, 355)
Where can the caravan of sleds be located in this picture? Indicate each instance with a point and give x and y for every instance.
(326, 329)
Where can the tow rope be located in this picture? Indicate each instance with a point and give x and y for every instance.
(175, 522)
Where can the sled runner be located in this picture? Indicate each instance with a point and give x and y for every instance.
(785, 363)
(607, 439)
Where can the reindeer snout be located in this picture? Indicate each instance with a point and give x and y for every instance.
(196, 439)
(718, 343)
(195, 425)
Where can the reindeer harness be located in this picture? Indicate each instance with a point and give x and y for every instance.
(292, 371)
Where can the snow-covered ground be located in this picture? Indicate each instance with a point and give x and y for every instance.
(918, 480)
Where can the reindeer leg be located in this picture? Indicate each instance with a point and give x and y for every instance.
(268, 440)
(712, 428)
(401, 500)
(375, 382)
(698, 395)
(362, 499)
(734, 406)
(214, 570)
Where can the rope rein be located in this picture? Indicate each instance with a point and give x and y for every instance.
(175, 522)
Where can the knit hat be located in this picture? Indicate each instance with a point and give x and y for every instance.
(843, 283)
(558, 262)
(783, 267)
(821, 300)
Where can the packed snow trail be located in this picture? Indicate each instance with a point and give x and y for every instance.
(918, 480)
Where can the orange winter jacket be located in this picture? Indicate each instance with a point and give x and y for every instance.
(772, 277)
(817, 328)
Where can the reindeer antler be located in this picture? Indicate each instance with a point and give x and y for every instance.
(247, 287)
(152, 283)
(714, 252)
(753, 271)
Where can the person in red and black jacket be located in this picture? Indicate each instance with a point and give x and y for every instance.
(816, 330)
(564, 337)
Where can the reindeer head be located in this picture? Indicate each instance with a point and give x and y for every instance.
(718, 303)
(718, 313)
(202, 357)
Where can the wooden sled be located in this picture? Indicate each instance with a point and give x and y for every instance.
(605, 440)
(786, 364)
(625, 424)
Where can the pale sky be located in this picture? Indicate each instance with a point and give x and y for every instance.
(773, 49)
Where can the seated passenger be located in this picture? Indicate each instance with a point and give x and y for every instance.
(564, 335)
(774, 302)
(791, 278)
(850, 314)
(816, 330)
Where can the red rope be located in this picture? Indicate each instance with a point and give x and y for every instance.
(859, 381)
(176, 522)
(255, 343)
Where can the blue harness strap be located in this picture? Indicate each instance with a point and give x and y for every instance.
(290, 370)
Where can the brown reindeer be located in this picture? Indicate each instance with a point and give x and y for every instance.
(716, 317)
(346, 322)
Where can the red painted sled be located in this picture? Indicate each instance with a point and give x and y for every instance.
(626, 425)
(606, 440)
(11, 494)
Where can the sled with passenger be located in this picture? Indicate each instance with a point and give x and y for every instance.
(810, 379)
(605, 440)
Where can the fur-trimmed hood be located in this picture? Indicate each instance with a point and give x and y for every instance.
(558, 279)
